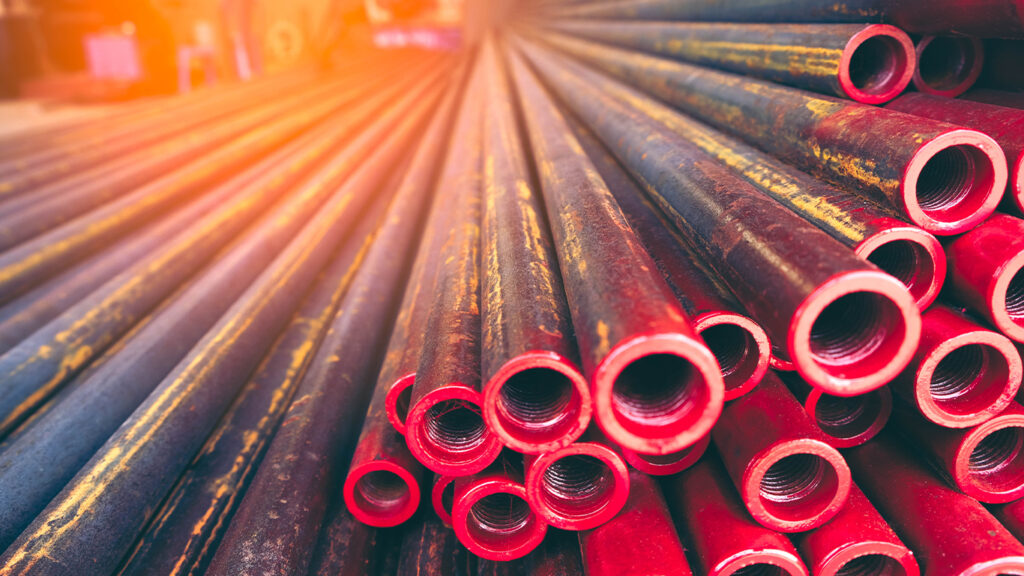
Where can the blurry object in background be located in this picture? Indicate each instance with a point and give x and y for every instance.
(238, 24)
(114, 54)
(431, 24)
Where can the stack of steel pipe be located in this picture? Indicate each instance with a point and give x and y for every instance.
(628, 287)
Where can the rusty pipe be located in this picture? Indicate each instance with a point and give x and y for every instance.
(844, 421)
(948, 65)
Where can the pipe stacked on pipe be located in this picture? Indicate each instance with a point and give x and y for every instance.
(672, 284)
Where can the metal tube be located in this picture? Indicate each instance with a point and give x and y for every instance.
(739, 344)
(429, 548)
(535, 397)
(656, 387)
(995, 97)
(962, 373)
(948, 65)
(870, 63)
(641, 540)
(667, 464)
(789, 477)
(939, 524)
(348, 547)
(845, 422)
(848, 327)
(725, 539)
(557, 555)
(857, 541)
(943, 178)
(1005, 125)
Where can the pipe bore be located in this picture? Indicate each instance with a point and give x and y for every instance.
(912, 264)
(996, 463)
(737, 352)
(538, 409)
(872, 565)
(382, 492)
(761, 569)
(453, 432)
(658, 391)
(856, 334)
(954, 183)
(947, 65)
(1015, 298)
(853, 420)
(969, 379)
(798, 487)
(577, 486)
(877, 64)
(501, 522)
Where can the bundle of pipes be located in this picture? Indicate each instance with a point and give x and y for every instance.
(652, 297)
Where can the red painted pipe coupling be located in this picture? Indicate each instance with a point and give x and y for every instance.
(845, 421)
(442, 497)
(667, 464)
(948, 65)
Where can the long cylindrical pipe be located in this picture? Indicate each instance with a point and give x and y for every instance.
(986, 272)
(857, 541)
(1003, 124)
(656, 387)
(641, 540)
(536, 399)
(847, 326)
(789, 477)
(942, 177)
(948, 65)
(870, 63)
(962, 373)
(429, 548)
(938, 523)
(845, 422)
(725, 539)
(738, 343)
(996, 97)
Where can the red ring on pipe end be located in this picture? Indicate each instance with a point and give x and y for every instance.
(871, 558)
(374, 497)
(740, 346)
(496, 542)
(667, 464)
(638, 408)
(1006, 298)
(989, 463)
(1017, 182)
(968, 379)
(459, 447)
(877, 64)
(396, 402)
(796, 485)
(910, 255)
(789, 563)
(442, 498)
(854, 333)
(780, 361)
(851, 421)
(948, 65)
(601, 489)
(543, 415)
(954, 181)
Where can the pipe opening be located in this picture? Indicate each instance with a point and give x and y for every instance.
(577, 486)
(969, 379)
(1015, 298)
(872, 565)
(857, 334)
(455, 429)
(736, 351)
(877, 65)
(907, 261)
(798, 487)
(761, 569)
(538, 401)
(500, 521)
(997, 462)
(955, 183)
(659, 391)
(945, 62)
(402, 403)
(848, 418)
(382, 492)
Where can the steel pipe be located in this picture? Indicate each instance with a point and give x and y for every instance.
(845, 422)
(348, 547)
(789, 477)
(656, 387)
(996, 98)
(429, 548)
(848, 327)
(442, 498)
(943, 178)
(870, 63)
(948, 65)
(667, 464)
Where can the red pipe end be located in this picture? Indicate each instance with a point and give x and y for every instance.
(954, 182)
(442, 498)
(658, 394)
(1017, 182)
(493, 519)
(760, 562)
(381, 493)
(968, 379)
(396, 403)
(579, 487)
(877, 64)
(851, 421)
(740, 346)
(796, 485)
(877, 558)
(537, 402)
(667, 464)
(989, 464)
(446, 432)
(910, 255)
(1006, 298)
(854, 333)
(780, 361)
(948, 65)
